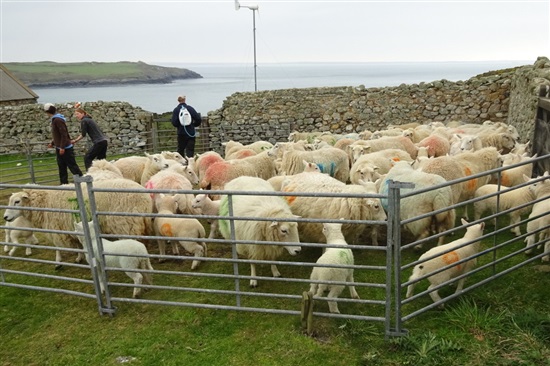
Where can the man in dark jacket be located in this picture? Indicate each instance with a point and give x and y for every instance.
(64, 151)
(186, 134)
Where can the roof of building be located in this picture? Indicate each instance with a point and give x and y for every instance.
(11, 88)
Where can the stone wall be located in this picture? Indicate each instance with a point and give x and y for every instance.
(505, 95)
(123, 123)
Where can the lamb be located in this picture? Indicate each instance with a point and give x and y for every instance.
(423, 203)
(218, 174)
(172, 227)
(268, 207)
(127, 254)
(369, 167)
(540, 190)
(13, 235)
(470, 143)
(507, 200)
(332, 161)
(445, 255)
(339, 256)
(503, 141)
(209, 207)
(514, 176)
(232, 148)
(176, 178)
(154, 164)
(296, 136)
(417, 134)
(361, 207)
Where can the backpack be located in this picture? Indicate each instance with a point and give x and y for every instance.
(185, 116)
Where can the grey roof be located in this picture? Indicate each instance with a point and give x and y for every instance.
(11, 88)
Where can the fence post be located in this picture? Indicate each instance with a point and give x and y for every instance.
(95, 260)
(28, 154)
(393, 258)
(234, 254)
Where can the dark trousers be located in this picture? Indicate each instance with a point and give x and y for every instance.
(186, 145)
(67, 160)
(97, 151)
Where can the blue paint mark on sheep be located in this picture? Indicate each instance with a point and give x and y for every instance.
(329, 168)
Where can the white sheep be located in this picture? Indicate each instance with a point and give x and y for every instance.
(506, 200)
(423, 203)
(155, 163)
(210, 207)
(371, 166)
(514, 176)
(542, 208)
(278, 180)
(332, 161)
(361, 206)
(13, 235)
(362, 147)
(203, 161)
(503, 141)
(333, 256)
(126, 254)
(133, 167)
(172, 227)
(447, 254)
(177, 177)
(104, 170)
(266, 207)
(296, 136)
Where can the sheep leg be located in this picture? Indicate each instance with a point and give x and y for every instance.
(253, 282)
(275, 271)
(514, 219)
(546, 258)
(434, 294)
(138, 280)
(34, 241)
(162, 250)
(530, 240)
(374, 235)
(175, 249)
(352, 291)
(6, 248)
(213, 228)
(460, 285)
(58, 259)
(334, 292)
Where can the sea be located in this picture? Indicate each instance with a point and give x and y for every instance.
(222, 80)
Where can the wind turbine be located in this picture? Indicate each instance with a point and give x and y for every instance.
(254, 8)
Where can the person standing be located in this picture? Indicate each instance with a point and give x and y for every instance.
(186, 134)
(89, 127)
(61, 140)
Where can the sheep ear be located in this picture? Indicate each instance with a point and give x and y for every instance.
(464, 222)
(274, 223)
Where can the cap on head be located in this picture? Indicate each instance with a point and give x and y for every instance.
(49, 108)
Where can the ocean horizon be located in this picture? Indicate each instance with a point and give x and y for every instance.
(222, 80)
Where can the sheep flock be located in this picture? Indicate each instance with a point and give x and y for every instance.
(281, 202)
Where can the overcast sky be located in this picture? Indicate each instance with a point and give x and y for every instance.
(286, 31)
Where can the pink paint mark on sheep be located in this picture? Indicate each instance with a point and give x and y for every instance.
(150, 185)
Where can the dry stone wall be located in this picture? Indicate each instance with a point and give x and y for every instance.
(124, 124)
(505, 95)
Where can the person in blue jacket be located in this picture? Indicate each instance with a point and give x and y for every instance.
(64, 151)
(186, 134)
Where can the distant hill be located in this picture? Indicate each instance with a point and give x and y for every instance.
(82, 74)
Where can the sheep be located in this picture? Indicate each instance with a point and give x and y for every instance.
(507, 200)
(502, 141)
(514, 176)
(296, 136)
(319, 207)
(463, 165)
(470, 143)
(171, 227)
(455, 251)
(132, 167)
(154, 164)
(232, 148)
(540, 190)
(277, 181)
(127, 254)
(175, 178)
(261, 165)
(210, 207)
(371, 166)
(393, 142)
(341, 256)
(417, 134)
(13, 235)
(332, 161)
(437, 144)
(104, 170)
(422, 203)
(51, 220)
(268, 207)
(203, 161)
(386, 133)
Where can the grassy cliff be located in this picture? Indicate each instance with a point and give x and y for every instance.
(53, 74)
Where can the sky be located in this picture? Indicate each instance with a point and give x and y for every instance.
(286, 31)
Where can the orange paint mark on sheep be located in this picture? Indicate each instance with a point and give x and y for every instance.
(396, 159)
(471, 185)
(450, 258)
(505, 179)
(166, 230)
(289, 199)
